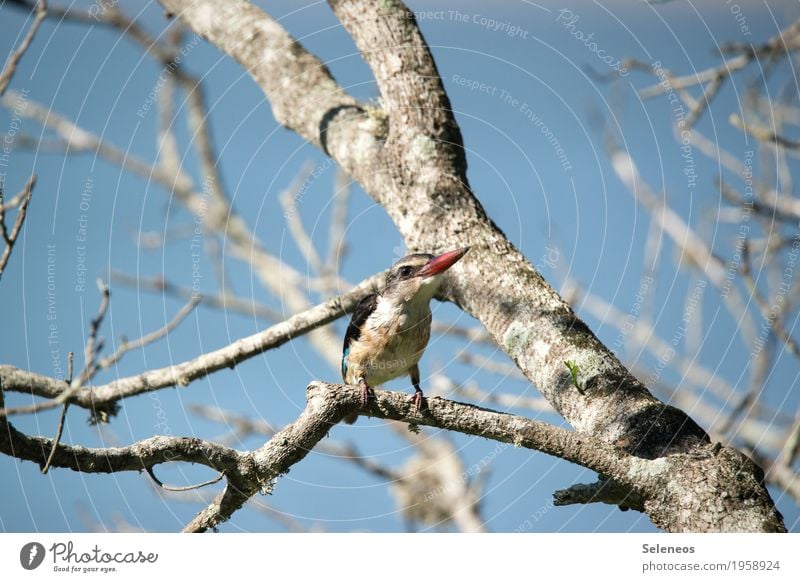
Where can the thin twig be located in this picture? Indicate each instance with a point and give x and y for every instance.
(777, 44)
(60, 429)
(337, 244)
(763, 134)
(10, 238)
(472, 334)
(763, 307)
(223, 301)
(181, 488)
(288, 199)
(93, 346)
(16, 56)
(147, 339)
(199, 367)
(446, 386)
(489, 365)
(791, 448)
(88, 373)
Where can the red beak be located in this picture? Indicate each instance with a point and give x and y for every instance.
(441, 263)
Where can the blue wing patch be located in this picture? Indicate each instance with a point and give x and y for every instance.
(344, 362)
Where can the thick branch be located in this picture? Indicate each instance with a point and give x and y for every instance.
(135, 457)
(657, 485)
(328, 404)
(412, 93)
(276, 61)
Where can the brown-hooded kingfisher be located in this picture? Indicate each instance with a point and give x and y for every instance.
(389, 330)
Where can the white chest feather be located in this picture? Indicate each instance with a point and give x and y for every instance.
(392, 341)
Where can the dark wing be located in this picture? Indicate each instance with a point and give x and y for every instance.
(363, 310)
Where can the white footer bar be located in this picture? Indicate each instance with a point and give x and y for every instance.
(386, 557)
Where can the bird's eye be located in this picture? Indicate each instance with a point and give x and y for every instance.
(405, 272)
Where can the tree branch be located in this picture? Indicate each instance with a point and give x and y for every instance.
(11, 67)
(388, 38)
(602, 491)
(135, 457)
(9, 238)
(658, 483)
(105, 397)
(278, 63)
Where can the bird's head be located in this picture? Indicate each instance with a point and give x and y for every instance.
(417, 277)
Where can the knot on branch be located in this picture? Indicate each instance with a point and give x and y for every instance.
(658, 429)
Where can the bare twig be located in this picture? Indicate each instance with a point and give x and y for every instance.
(224, 301)
(76, 388)
(769, 204)
(446, 386)
(93, 346)
(288, 199)
(490, 365)
(337, 244)
(683, 236)
(182, 488)
(712, 78)
(13, 60)
(105, 397)
(471, 334)
(126, 345)
(135, 457)
(10, 238)
(766, 310)
(60, 429)
(107, 14)
(763, 134)
(791, 447)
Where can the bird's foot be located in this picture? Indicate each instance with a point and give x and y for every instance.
(418, 400)
(366, 393)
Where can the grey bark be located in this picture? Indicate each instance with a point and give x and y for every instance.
(664, 487)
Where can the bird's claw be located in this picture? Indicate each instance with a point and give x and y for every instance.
(366, 393)
(417, 400)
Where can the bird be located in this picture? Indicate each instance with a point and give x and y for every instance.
(389, 331)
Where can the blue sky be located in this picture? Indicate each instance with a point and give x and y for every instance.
(516, 84)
